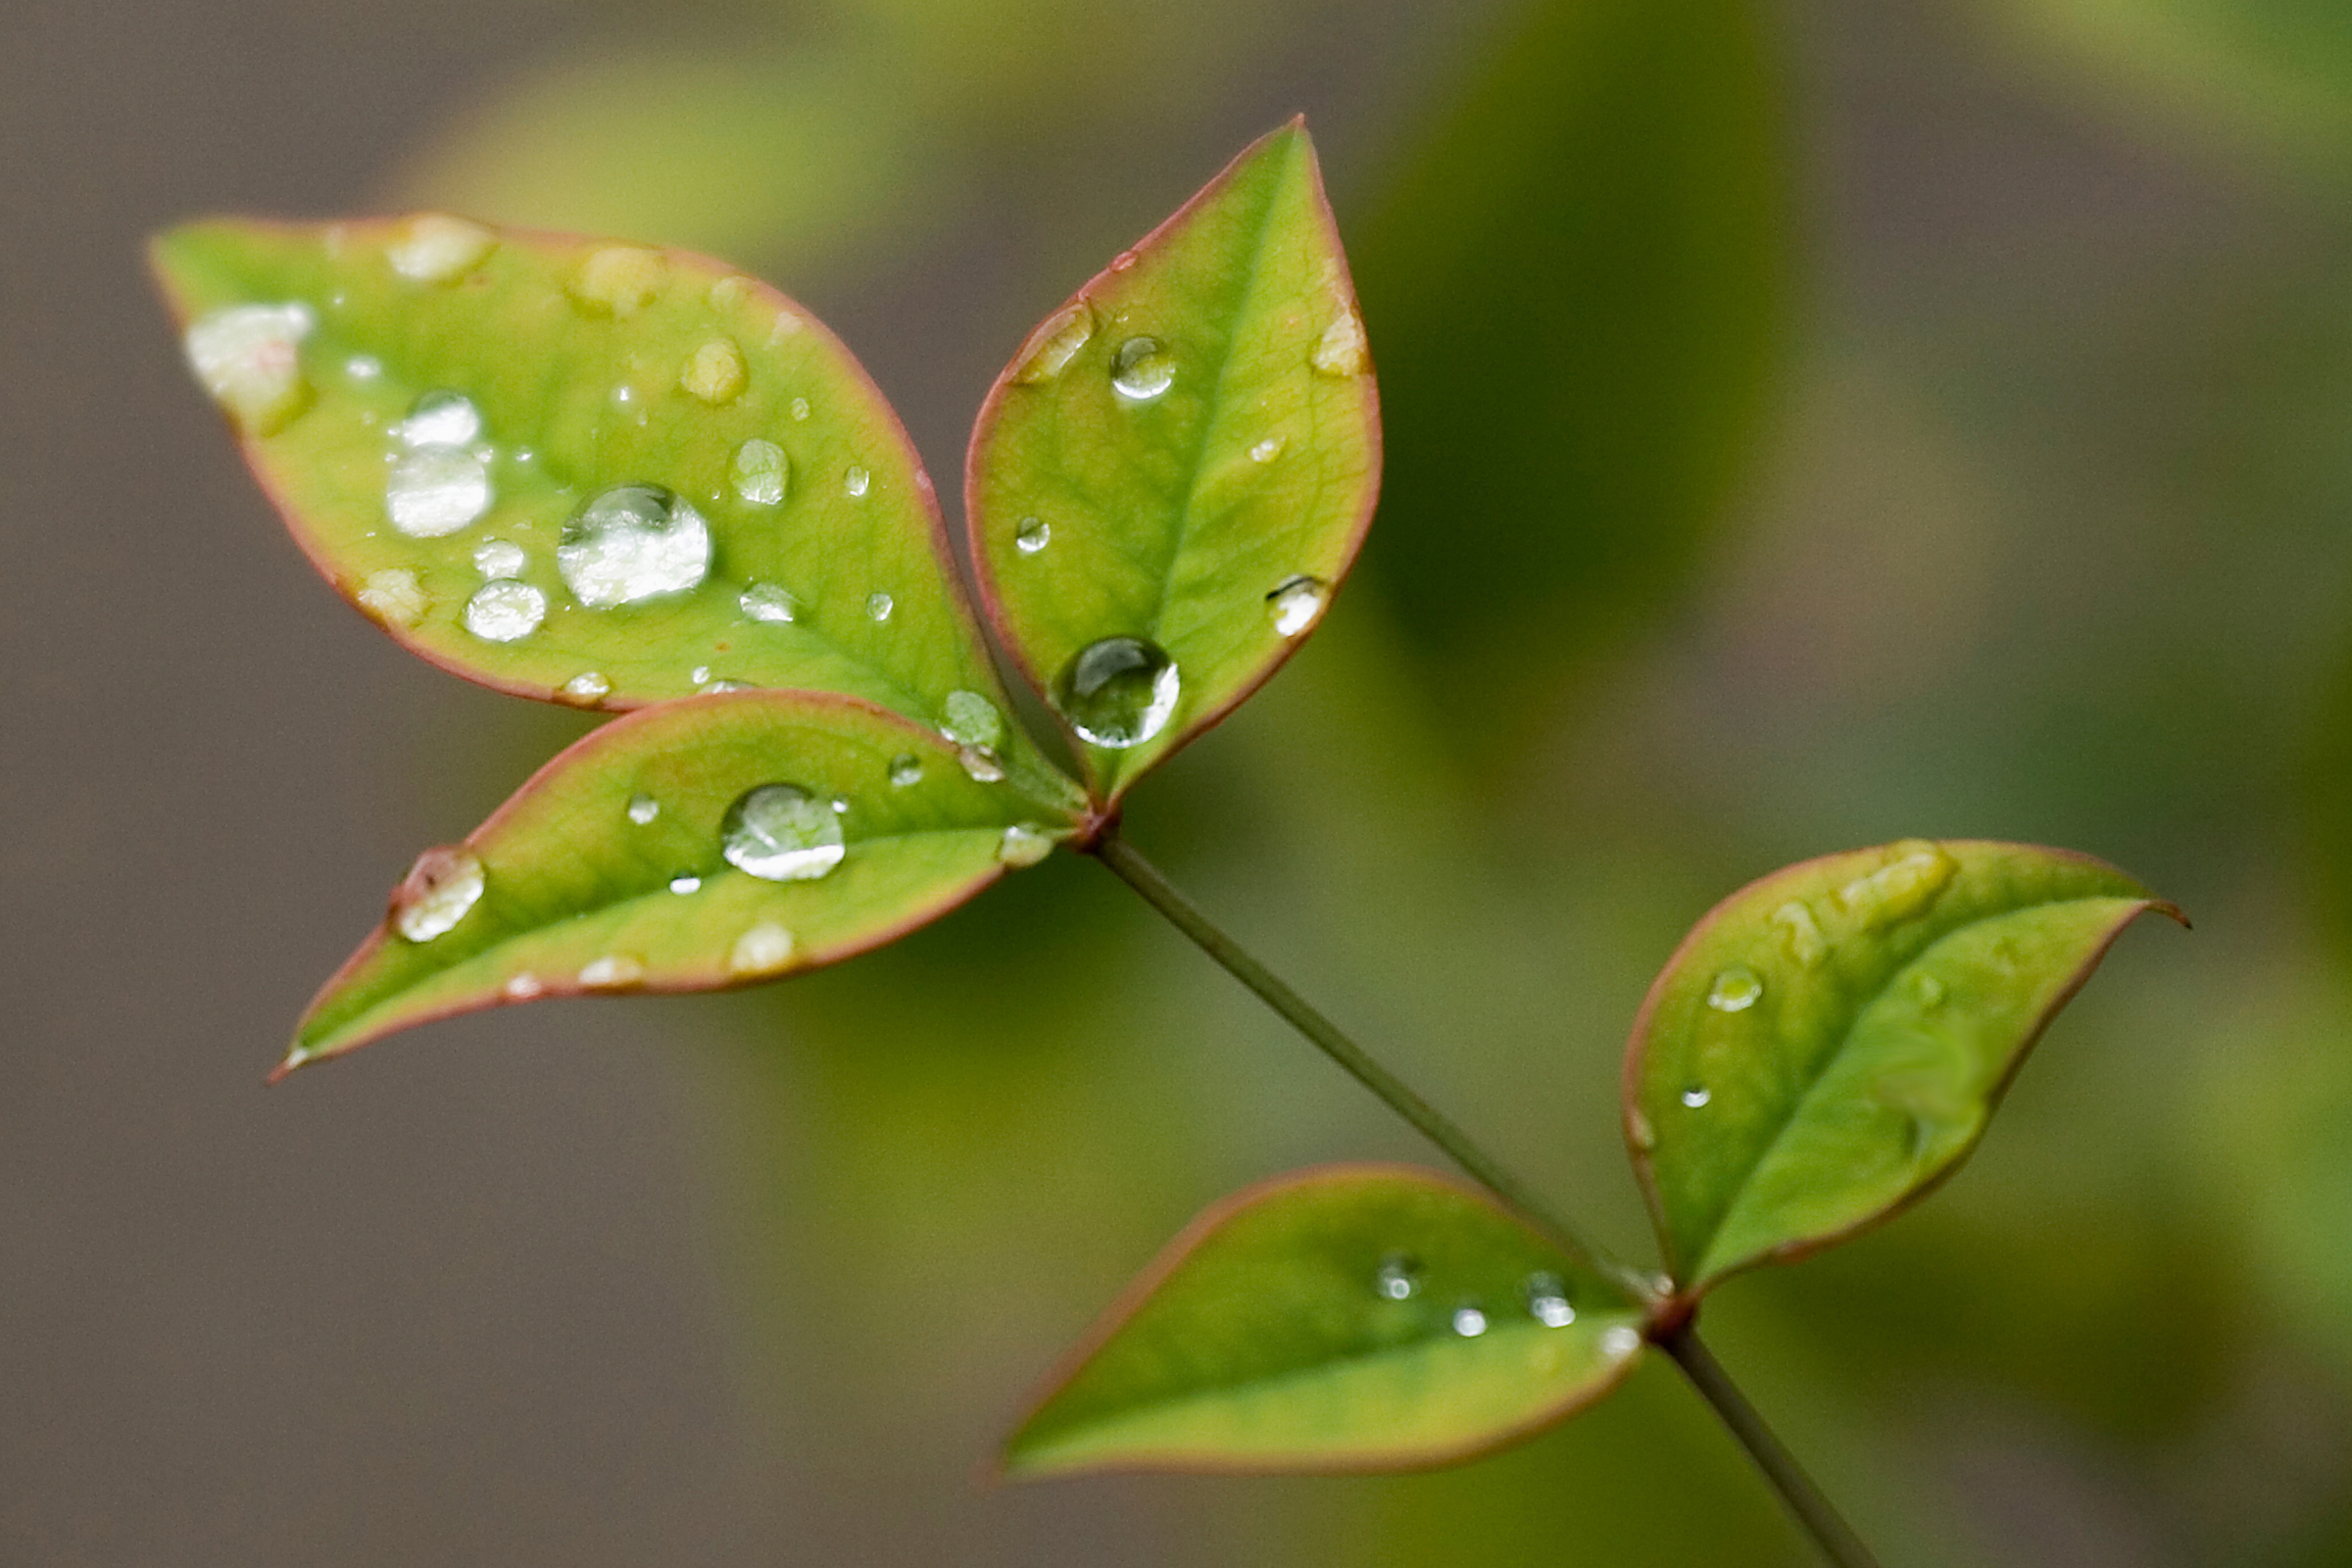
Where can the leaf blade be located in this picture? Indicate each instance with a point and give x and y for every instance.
(1186, 452)
(1268, 1337)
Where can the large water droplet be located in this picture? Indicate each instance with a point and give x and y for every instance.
(435, 248)
(394, 597)
(1902, 888)
(436, 491)
(619, 280)
(498, 558)
(505, 611)
(1296, 602)
(614, 971)
(1547, 1300)
(441, 420)
(1058, 342)
(1341, 351)
(1801, 932)
(1398, 1277)
(716, 372)
(1141, 370)
(781, 833)
(1022, 844)
(1033, 535)
(249, 357)
(972, 719)
(1696, 1096)
(905, 769)
(763, 950)
(1735, 989)
(761, 471)
(438, 891)
(879, 607)
(643, 809)
(587, 687)
(1469, 1322)
(1118, 692)
(764, 601)
(632, 543)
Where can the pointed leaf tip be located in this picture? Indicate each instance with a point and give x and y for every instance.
(1172, 478)
(1831, 1040)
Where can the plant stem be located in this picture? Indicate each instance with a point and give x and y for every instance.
(1830, 1530)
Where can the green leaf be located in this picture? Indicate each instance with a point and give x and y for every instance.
(1171, 478)
(642, 859)
(1829, 1041)
(811, 555)
(1368, 1317)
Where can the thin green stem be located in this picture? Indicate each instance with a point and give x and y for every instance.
(1835, 1538)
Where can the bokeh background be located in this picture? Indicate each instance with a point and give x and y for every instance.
(1810, 423)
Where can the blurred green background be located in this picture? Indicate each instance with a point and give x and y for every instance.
(1808, 424)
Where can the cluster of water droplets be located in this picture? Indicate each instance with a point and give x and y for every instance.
(1544, 1294)
(440, 475)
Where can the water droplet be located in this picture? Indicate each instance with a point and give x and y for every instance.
(435, 248)
(440, 889)
(905, 769)
(699, 675)
(726, 683)
(879, 605)
(840, 804)
(1058, 342)
(440, 419)
(1801, 932)
(524, 987)
(619, 280)
(1902, 888)
(685, 884)
(643, 809)
(972, 719)
(632, 543)
(781, 833)
(760, 472)
(498, 558)
(1118, 692)
(1296, 602)
(1696, 1096)
(1640, 1133)
(1122, 262)
(505, 611)
(855, 482)
(763, 950)
(1547, 1300)
(394, 597)
(611, 972)
(587, 687)
(363, 367)
(764, 601)
(1398, 1277)
(1023, 845)
(435, 491)
(1734, 990)
(715, 372)
(800, 408)
(1469, 1322)
(981, 763)
(1268, 450)
(1141, 370)
(249, 357)
(1620, 1342)
(1929, 991)
(1034, 535)
(1340, 351)
(730, 291)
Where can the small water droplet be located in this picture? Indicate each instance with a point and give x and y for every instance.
(972, 719)
(981, 764)
(1696, 1096)
(1296, 602)
(699, 675)
(782, 327)
(632, 543)
(435, 248)
(840, 804)
(1058, 342)
(1801, 932)
(1122, 262)
(761, 473)
(394, 597)
(643, 809)
(764, 601)
(505, 611)
(763, 950)
(1469, 1322)
(1620, 1340)
(855, 482)
(249, 357)
(439, 891)
(715, 372)
(800, 408)
(1023, 845)
(614, 971)
(1141, 370)
(435, 491)
(1547, 1300)
(905, 769)
(1735, 989)
(619, 280)
(725, 683)
(781, 833)
(685, 884)
(1268, 450)
(587, 687)
(498, 558)
(1398, 1277)
(730, 291)
(1929, 991)
(1034, 535)
(879, 607)
(1118, 692)
(1340, 351)
(440, 419)
(1640, 1133)
(524, 987)
(363, 367)
(1900, 889)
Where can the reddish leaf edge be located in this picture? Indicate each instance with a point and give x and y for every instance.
(985, 422)
(554, 988)
(994, 1470)
(1681, 1306)
(943, 550)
